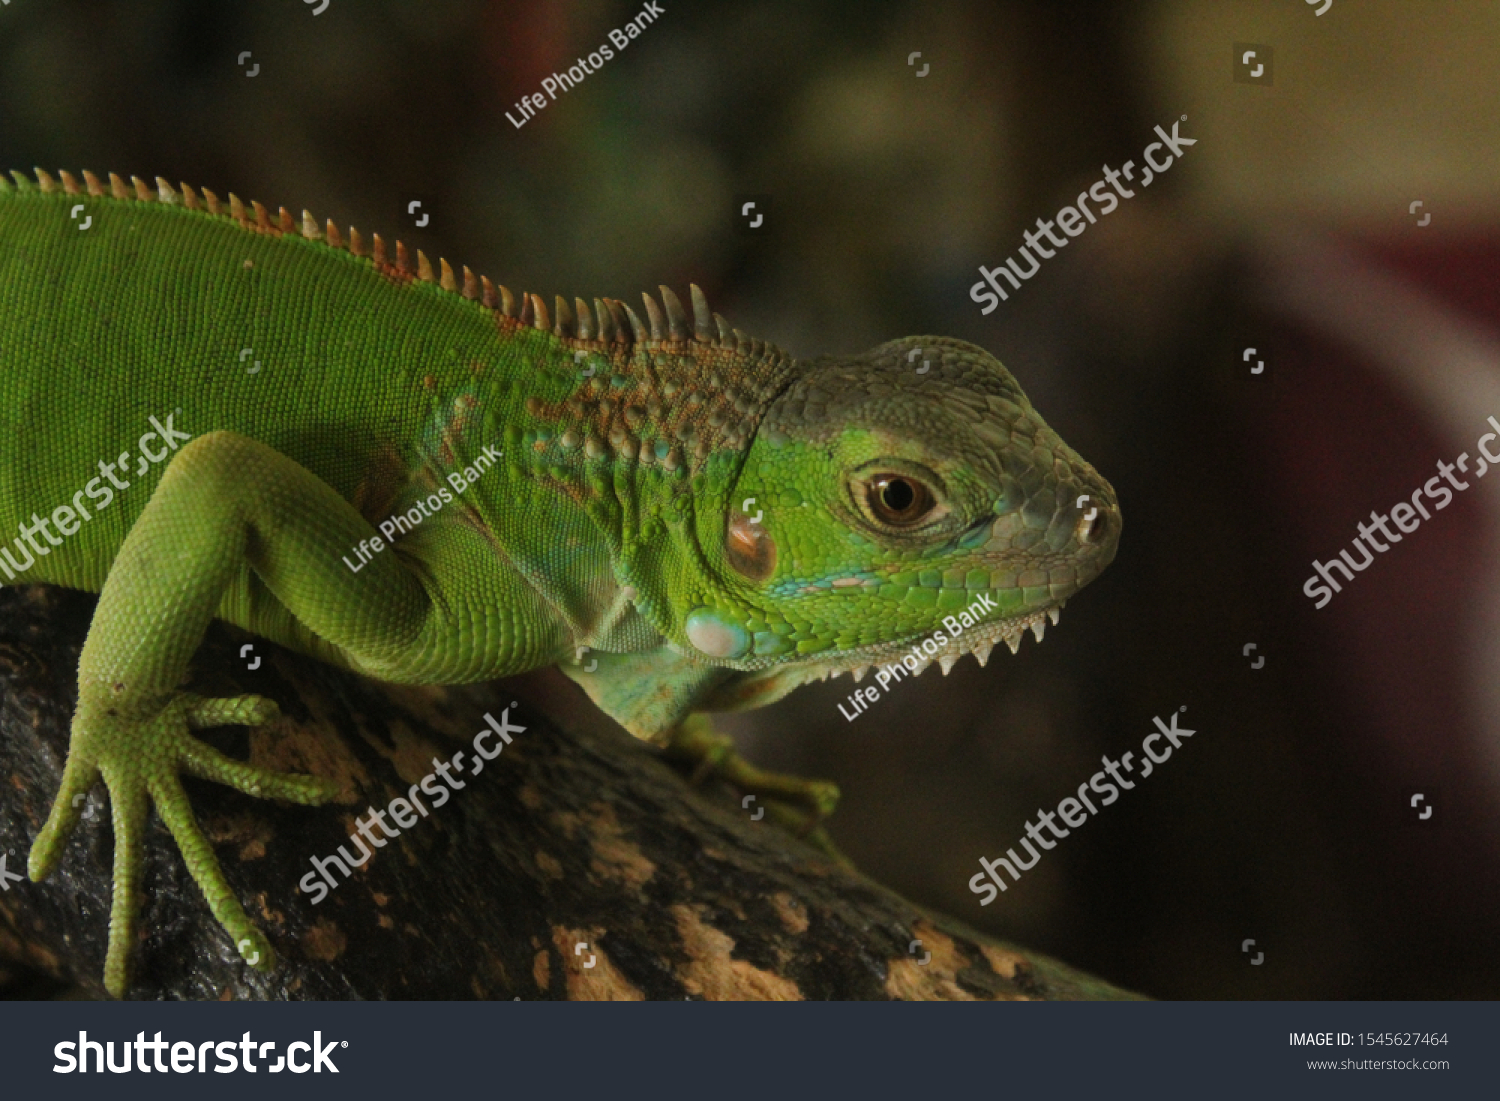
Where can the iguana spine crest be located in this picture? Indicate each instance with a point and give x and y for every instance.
(610, 322)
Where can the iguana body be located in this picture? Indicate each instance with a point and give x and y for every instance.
(714, 521)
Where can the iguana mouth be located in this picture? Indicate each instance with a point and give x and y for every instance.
(978, 640)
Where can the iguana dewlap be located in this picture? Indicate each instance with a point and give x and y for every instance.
(213, 411)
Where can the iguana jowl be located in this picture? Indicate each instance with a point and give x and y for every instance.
(715, 521)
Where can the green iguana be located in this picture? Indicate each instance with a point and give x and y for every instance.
(213, 411)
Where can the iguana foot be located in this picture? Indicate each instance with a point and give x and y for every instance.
(139, 759)
(796, 804)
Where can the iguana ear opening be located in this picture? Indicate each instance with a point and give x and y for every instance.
(749, 548)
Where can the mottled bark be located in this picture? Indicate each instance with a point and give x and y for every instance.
(576, 865)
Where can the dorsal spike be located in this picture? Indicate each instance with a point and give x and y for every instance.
(541, 321)
(445, 276)
(982, 652)
(143, 190)
(332, 235)
(703, 319)
(212, 202)
(507, 301)
(606, 322)
(45, 182)
(726, 334)
(190, 198)
(93, 183)
(948, 661)
(490, 298)
(164, 192)
(403, 260)
(23, 182)
(1013, 640)
(356, 242)
(637, 329)
(585, 319)
(471, 284)
(285, 222)
(262, 216)
(565, 324)
(677, 324)
(117, 187)
(741, 337)
(378, 250)
(70, 185)
(653, 314)
(1039, 628)
(424, 267)
(310, 228)
(619, 316)
(528, 315)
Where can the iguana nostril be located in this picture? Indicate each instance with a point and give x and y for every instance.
(1093, 527)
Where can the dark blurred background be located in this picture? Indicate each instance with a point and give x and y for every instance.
(1286, 818)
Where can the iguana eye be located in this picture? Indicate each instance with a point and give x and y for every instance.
(898, 500)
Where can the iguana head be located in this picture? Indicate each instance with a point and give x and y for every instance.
(892, 497)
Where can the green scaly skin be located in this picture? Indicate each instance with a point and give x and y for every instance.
(714, 521)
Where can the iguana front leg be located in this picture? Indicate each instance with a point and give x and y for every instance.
(796, 804)
(233, 523)
(654, 693)
(695, 741)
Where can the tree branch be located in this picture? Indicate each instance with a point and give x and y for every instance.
(576, 865)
